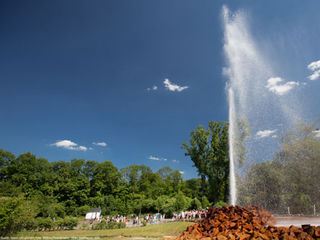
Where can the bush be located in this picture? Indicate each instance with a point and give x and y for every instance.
(99, 226)
(112, 225)
(60, 224)
(67, 223)
(109, 225)
(220, 204)
(45, 224)
(122, 225)
(85, 226)
(195, 204)
(81, 211)
(16, 214)
(70, 223)
(31, 225)
(144, 223)
(205, 202)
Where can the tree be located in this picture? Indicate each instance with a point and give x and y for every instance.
(218, 169)
(106, 179)
(16, 214)
(209, 151)
(198, 151)
(6, 158)
(291, 179)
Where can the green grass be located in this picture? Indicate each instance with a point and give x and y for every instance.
(151, 231)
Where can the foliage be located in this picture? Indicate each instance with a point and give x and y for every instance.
(291, 179)
(205, 202)
(209, 152)
(195, 204)
(110, 225)
(69, 223)
(45, 224)
(50, 191)
(220, 204)
(85, 226)
(16, 214)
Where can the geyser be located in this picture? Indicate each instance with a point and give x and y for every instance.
(256, 95)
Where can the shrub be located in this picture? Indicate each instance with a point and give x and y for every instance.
(45, 224)
(99, 226)
(144, 223)
(31, 225)
(67, 223)
(205, 202)
(112, 225)
(81, 211)
(85, 226)
(16, 214)
(70, 223)
(220, 204)
(195, 204)
(122, 225)
(60, 224)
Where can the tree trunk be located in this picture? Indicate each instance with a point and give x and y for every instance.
(203, 185)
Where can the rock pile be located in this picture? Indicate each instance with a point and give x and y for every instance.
(244, 223)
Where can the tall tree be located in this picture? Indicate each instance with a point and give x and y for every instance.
(209, 152)
(198, 151)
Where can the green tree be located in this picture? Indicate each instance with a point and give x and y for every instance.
(291, 179)
(209, 152)
(198, 151)
(6, 158)
(106, 179)
(16, 214)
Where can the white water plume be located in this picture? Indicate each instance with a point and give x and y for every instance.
(248, 72)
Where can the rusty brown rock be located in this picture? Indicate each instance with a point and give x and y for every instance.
(244, 223)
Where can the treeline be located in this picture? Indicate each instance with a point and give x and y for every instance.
(59, 189)
(290, 183)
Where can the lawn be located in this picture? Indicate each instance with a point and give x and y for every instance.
(156, 231)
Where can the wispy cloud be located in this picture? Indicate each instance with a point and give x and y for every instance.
(157, 158)
(182, 172)
(67, 144)
(315, 68)
(173, 87)
(154, 88)
(101, 144)
(277, 86)
(175, 161)
(265, 133)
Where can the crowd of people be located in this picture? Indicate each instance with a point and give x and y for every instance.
(154, 218)
(189, 215)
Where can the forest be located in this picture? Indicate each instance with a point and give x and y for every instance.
(36, 189)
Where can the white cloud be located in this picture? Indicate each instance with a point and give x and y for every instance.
(265, 133)
(317, 133)
(274, 136)
(315, 67)
(67, 144)
(157, 158)
(173, 87)
(82, 148)
(101, 144)
(276, 86)
(315, 75)
(175, 161)
(154, 88)
(182, 172)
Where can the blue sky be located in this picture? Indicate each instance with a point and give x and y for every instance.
(84, 72)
